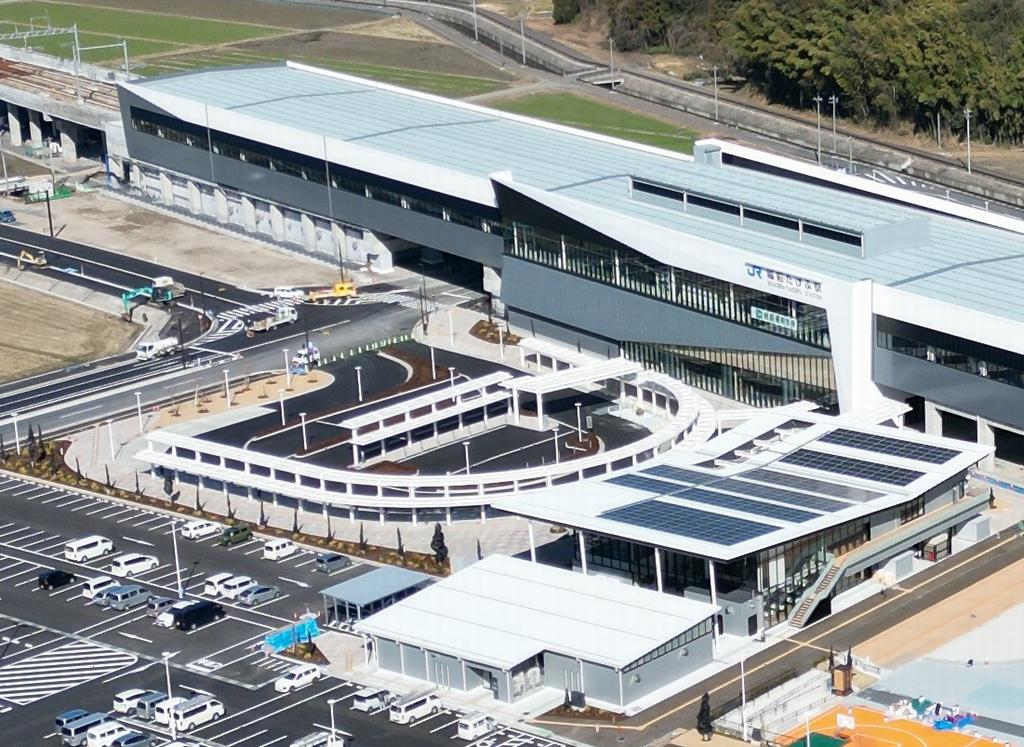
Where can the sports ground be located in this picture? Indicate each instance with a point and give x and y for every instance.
(873, 729)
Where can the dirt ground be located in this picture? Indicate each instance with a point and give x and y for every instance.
(951, 618)
(284, 15)
(41, 333)
(381, 43)
(94, 218)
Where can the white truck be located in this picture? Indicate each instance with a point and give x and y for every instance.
(147, 351)
(281, 315)
(166, 290)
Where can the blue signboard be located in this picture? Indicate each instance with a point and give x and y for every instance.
(300, 632)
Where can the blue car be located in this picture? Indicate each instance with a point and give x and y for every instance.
(7, 216)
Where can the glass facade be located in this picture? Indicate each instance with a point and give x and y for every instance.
(950, 351)
(701, 629)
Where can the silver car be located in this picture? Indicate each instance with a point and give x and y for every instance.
(103, 598)
(258, 595)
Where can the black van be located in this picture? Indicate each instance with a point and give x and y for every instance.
(197, 615)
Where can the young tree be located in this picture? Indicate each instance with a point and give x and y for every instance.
(438, 546)
(704, 726)
(362, 539)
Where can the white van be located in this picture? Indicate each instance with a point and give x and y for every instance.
(88, 548)
(132, 564)
(276, 549)
(413, 707)
(213, 586)
(475, 725)
(196, 712)
(103, 735)
(94, 586)
(126, 700)
(371, 699)
(235, 586)
(162, 712)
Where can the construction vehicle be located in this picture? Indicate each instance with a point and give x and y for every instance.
(282, 315)
(28, 259)
(307, 357)
(341, 289)
(128, 297)
(147, 351)
(166, 290)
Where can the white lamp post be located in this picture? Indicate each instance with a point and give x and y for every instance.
(579, 422)
(287, 370)
(110, 437)
(138, 410)
(177, 564)
(557, 457)
(465, 445)
(451, 375)
(17, 439)
(359, 382)
(331, 702)
(305, 443)
(167, 670)
(967, 117)
(280, 396)
(227, 389)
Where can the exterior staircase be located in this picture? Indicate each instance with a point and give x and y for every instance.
(809, 599)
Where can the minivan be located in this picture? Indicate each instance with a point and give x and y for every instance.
(127, 597)
(167, 618)
(132, 564)
(212, 587)
(235, 586)
(371, 699)
(145, 706)
(196, 712)
(162, 712)
(88, 548)
(197, 615)
(156, 605)
(67, 717)
(475, 725)
(126, 700)
(74, 732)
(329, 562)
(235, 535)
(413, 707)
(103, 735)
(94, 586)
(276, 549)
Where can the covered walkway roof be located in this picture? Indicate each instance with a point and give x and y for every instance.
(575, 377)
(378, 584)
(502, 611)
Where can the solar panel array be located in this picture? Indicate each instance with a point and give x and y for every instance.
(886, 445)
(850, 467)
(681, 475)
(713, 498)
(773, 477)
(688, 522)
(803, 500)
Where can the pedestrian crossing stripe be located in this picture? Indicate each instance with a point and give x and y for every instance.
(49, 672)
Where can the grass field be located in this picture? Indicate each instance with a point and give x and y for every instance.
(595, 116)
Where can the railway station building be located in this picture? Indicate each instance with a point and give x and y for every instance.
(756, 277)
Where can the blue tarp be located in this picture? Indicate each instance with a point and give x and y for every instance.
(302, 631)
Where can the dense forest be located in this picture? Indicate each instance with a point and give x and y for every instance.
(888, 61)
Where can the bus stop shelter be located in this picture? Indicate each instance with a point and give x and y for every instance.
(356, 598)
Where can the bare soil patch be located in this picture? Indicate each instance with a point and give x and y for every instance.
(245, 11)
(395, 28)
(41, 333)
(415, 54)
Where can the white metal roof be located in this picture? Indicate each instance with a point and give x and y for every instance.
(569, 505)
(502, 611)
(577, 376)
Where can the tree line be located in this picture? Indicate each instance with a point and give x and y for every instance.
(920, 62)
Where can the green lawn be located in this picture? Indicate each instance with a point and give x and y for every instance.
(588, 114)
(60, 46)
(113, 22)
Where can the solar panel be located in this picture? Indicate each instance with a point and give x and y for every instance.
(680, 475)
(713, 498)
(688, 522)
(802, 500)
(773, 477)
(850, 467)
(887, 445)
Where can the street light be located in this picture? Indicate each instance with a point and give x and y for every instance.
(17, 439)
(227, 389)
(138, 410)
(177, 564)
(110, 437)
(817, 105)
(280, 396)
(332, 701)
(465, 445)
(359, 382)
(287, 371)
(967, 116)
(557, 457)
(833, 99)
(579, 421)
(714, 70)
(451, 328)
(451, 375)
(522, 35)
(476, 37)
(305, 443)
(167, 671)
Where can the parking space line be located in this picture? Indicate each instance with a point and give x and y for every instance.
(10, 532)
(271, 601)
(264, 704)
(53, 546)
(156, 527)
(240, 544)
(41, 541)
(425, 719)
(27, 536)
(75, 500)
(28, 489)
(19, 573)
(66, 589)
(150, 520)
(91, 502)
(246, 739)
(274, 741)
(444, 726)
(56, 498)
(305, 562)
(27, 580)
(253, 551)
(105, 507)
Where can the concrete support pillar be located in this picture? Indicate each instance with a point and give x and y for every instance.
(533, 546)
(380, 515)
(220, 205)
(657, 569)
(932, 419)
(355, 455)
(415, 518)
(483, 514)
(351, 515)
(987, 437)
(195, 198)
(308, 233)
(540, 410)
(166, 189)
(515, 405)
(35, 127)
(448, 515)
(583, 551)
(15, 122)
(248, 214)
(714, 602)
(276, 222)
(70, 134)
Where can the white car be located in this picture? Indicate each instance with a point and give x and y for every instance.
(162, 712)
(94, 586)
(214, 585)
(235, 586)
(126, 700)
(286, 293)
(132, 564)
(200, 528)
(296, 677)
(166, 618)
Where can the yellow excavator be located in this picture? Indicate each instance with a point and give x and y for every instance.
(28, 259)
(341, 289)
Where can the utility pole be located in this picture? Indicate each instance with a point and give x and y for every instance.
(833, 99)
(181, 342)
(76, 62)
(967, 117)
(476, 28)
(817, 105)
(611, 56)
(49, 213)
(714, 71)
(522, 35)
(938, 129)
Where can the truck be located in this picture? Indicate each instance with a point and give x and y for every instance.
(166, 290)
(282, 315)
(305, 358)
(147, 351)
(341, 289)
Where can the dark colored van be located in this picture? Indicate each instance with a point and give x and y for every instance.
(235, 535)
(199, 614)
